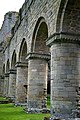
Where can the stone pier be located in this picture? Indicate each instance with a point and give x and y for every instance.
(21, 82)
(37, 80)
(12, 84)
(64, 78)
(2, 85)
(6, 84)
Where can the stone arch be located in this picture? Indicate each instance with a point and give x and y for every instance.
(40, 35)
(71, 20)
(3, 69)
(13, 60)
(7, 66)
(60, 15)
(23, 51)
(68, 17)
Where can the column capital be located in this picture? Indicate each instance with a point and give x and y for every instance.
(63, 37)
(38, 55)
(12, 71)
(2, 76)
(21, 64)
(6, 74)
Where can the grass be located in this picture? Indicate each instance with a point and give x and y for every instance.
(10, 112)
(1, 98)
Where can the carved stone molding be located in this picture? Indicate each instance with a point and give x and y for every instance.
(63, 37)
(21, 64)
(7, 74)
(33, 55)
(12, 71)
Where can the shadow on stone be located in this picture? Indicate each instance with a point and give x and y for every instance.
(46, 118)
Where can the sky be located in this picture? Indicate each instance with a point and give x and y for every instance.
(9, 5)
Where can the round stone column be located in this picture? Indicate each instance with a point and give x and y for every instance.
(21, 82)
(12, 84)
(37, 80)
(64, 77)
(2, 85)
(6, 84)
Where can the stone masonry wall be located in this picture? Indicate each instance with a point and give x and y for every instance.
(64, 48)
(64, 78)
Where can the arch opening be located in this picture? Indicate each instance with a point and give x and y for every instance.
(3, 70)
(23, 51)
(70, 15)
(39, 38)
(7, 66)
(13, 62)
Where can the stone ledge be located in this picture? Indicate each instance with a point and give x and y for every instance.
(21, 64)
(38, 55)
(63, 37)
(12, 71)
(6, 74)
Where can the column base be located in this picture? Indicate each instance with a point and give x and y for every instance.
(20, 104)
(11, 99)
(64, 119)
(74, 115)
(66, 116)
(36, 110)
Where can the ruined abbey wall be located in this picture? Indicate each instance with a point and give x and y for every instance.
(45, 33)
